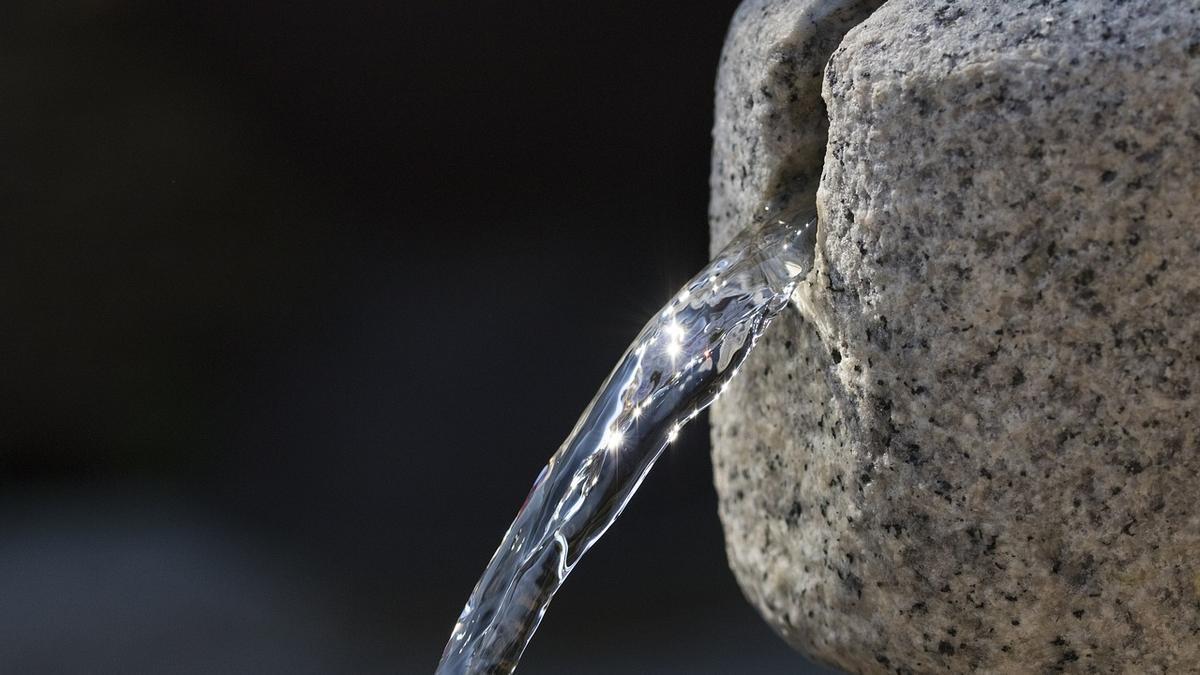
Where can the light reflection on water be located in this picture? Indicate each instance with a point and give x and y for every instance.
(677, 366)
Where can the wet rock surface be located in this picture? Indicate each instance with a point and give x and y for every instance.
(974, 446)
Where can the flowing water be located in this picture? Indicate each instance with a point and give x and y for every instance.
(677, 366)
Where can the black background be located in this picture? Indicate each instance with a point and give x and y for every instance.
(296, 300)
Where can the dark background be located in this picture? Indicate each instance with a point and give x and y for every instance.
(296, 300)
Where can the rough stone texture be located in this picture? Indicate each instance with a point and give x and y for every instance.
(977, 451)
(770, 130)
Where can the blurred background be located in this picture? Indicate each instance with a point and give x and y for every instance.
(297, 299)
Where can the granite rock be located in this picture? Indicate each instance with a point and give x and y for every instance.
(973, 447)
(770, 128)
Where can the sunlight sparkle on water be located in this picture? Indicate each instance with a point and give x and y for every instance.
(677, 366)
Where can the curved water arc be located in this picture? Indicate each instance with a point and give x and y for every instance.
(676, 367)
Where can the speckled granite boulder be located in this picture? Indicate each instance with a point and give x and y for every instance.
(974, 445)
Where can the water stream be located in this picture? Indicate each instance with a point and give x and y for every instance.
(677, 366)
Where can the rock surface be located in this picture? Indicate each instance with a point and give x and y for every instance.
(977, 450)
